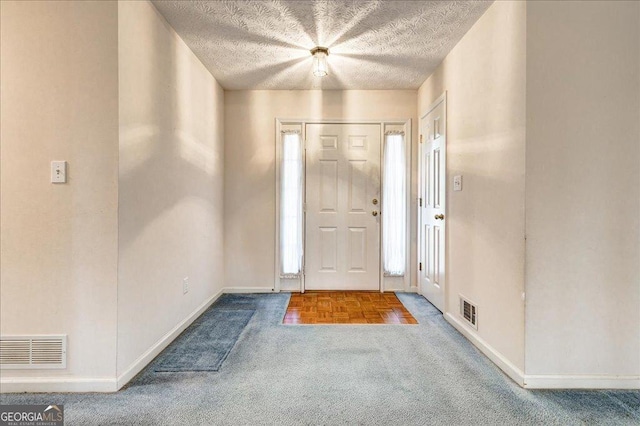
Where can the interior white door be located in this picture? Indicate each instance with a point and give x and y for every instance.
(342, 250)
(433, 180)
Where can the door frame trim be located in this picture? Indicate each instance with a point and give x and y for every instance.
(440, 99)
(394, 283)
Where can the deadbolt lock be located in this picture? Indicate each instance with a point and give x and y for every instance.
(375, 201)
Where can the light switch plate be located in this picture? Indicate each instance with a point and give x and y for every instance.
(457, 183)
(58, 172)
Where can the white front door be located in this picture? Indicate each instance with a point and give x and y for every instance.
(342, 250)
(433, 180)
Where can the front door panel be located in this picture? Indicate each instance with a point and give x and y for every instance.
(342, 250)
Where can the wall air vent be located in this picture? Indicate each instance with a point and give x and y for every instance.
(469, 312)
(33, 352)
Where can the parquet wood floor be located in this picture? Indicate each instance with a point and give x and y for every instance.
(346, 307)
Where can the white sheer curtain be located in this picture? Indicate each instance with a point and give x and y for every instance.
(394, 206)
(291, 204)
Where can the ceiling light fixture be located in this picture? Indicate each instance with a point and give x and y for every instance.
(320, 61)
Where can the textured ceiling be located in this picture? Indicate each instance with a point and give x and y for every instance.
(372, 44)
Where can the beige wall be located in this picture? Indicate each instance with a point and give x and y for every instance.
(59, 70)
(171, 181)
(249, 177)
(484, 77)
(583, 189)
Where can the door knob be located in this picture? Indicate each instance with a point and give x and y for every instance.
(374, 201)
(375, 213)
(439, 216)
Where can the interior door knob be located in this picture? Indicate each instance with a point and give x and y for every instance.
(374, 201)
(439, 216)
(375, 213)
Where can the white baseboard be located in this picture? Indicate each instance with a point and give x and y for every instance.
(496, 357)
(248, 290)
(533, 381)
(57, 384)
(101, 384)
(144, 360)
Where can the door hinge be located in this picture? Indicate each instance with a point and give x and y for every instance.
(420, 138)
(420, 199)
(420, 266)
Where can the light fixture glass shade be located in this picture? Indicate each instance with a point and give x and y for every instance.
(320, 61)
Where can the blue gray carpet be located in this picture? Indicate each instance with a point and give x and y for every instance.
(206, 343)
(362, 374)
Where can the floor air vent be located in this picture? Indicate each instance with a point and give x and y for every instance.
(469, 312)
(31, 352)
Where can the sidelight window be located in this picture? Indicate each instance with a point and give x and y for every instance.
(291, 209)
(394, 231)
